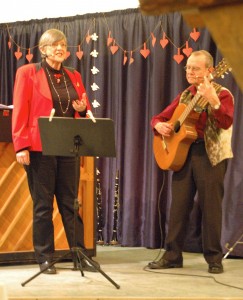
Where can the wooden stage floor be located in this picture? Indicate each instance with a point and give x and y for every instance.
(126, 267)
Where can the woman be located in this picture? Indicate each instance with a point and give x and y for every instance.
(39, 88)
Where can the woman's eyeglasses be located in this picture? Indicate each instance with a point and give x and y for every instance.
(56, 45)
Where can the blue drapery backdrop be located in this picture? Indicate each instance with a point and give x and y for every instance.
(131, 94)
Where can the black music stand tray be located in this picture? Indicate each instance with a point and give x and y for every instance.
(77, 137)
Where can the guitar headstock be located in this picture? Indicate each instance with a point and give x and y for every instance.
(222, 68)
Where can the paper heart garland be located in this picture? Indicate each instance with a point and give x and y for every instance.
(195, 34)
(178, 57)
(9, 44)
(145, 52)
(187, 50)
(18, 54)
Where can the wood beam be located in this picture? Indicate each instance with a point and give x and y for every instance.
(224, 25)
(222, 18)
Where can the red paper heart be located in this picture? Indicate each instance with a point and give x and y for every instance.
(29, 57)
(18, 54)
(164, 41)
(113, 49)
(194, 34)
(88, 37)
(109, 39)
(178, 57)
(79, 54)
(131, 59)
(145, 52)
(9, 44)
(153, 39)
(124, 58)
(187, 50)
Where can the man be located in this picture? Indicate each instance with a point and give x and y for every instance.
(205, 164)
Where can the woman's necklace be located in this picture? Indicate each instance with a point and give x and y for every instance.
(58, 96)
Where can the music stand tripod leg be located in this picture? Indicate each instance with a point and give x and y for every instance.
(43, 270)
(79, 255)
(97, 268)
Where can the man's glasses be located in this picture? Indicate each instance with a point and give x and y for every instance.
(193, 69)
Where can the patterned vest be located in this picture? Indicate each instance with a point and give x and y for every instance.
(217, 140)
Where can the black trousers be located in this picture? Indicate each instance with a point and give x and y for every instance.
(197, 175)
(50, 176)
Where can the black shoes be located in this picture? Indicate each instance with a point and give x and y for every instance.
(45, 267)
(215, 268)
(165, 264)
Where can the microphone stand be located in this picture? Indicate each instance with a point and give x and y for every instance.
(239, 241)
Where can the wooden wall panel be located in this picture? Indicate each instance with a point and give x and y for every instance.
(16, 209)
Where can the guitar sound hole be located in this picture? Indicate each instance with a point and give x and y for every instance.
(177, 126)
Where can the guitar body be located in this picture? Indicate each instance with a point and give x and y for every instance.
(171, 152)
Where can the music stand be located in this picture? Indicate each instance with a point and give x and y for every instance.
(77, 137)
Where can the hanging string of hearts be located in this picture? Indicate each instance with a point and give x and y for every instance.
(181, 51)
(144, 48)
(29, 56)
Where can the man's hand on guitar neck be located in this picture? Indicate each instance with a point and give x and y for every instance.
(207, 91)
(164, 128)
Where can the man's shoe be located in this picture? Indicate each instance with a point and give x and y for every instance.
(165, 264)
(215, 268)
(86, 265)
(49, 270)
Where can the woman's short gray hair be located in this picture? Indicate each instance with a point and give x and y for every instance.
(51, 36)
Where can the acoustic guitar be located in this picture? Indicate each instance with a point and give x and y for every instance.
(171, 152)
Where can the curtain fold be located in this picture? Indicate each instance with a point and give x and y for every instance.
(131, 94)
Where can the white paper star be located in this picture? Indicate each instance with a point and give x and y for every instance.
(94, 70)
(95, 103)
(94, 87)
(94, 53)
(94, 36)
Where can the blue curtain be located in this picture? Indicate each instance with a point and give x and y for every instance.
(131, 94)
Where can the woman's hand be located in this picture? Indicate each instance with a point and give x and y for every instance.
(23, 157)
(80, 105)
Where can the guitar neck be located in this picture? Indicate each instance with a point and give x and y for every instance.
(189, 108)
